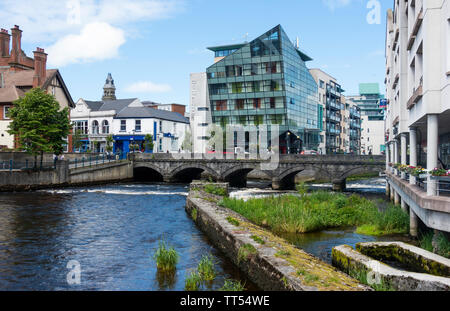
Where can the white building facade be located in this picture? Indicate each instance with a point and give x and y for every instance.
(200, 114)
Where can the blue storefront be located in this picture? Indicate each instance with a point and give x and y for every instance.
(122, 143)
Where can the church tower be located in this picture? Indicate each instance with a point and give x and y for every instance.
(109, 90)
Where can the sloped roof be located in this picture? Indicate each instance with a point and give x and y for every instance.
(24, 78)
(108, 105)
(147, 113)
(10, 93)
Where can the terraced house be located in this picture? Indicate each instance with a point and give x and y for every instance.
(19, 74)
(418, 110)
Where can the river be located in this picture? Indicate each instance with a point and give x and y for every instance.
(112, 231)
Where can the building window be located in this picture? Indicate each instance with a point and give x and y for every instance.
(95, 127)
(105, 127)
(203, 109)
(123, 125)
(6, 112)
(322, 84)
(160, 145)
(81, 127)
(137, 126)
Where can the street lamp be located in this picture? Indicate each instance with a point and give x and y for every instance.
(288, 142)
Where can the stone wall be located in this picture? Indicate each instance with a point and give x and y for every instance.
(269, 261)
(111, 172)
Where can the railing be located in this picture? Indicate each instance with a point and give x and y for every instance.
(97, 160)
(12, 165)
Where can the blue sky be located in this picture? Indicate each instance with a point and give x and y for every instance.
(151, 46)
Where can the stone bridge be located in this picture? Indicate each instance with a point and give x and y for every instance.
(335, 168)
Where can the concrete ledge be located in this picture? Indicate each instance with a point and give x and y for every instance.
(433, 203)
(354, 263)
(275, 265)
(415, 258)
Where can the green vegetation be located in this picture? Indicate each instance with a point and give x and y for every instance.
(233, 221)
(257, 239)
(192, 281)
(194, 214)
(307, 276)
(166, 257)
(233, 286)
(213, 189)
(441, 241)
(283, 253)
(318, 211)
(148, 144)
(363, 176)
(381, 286)
(245, 252)
(206, 269)
(39, 124)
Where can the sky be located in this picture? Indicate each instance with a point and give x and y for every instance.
(151, 46)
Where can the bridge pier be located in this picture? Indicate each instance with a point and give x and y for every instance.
(339, 185)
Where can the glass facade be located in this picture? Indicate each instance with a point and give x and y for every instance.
(267, 82)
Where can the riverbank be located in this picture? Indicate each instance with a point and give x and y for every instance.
(269, 261)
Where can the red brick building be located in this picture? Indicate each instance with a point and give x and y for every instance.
(19, 74)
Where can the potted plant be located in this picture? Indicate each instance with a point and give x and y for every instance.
(439, 172)
(418, 171)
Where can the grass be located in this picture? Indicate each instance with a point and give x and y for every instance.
(166, 257)
(318, 211)
(212, 189)
(206, 269)
(382, 286)
(283, 253)
(258, 240)
(192, 281)
(233, 221)
(443, 244)
(194, 213)
(307, 276)
(363, 176)
(245, 252)
(233, 286)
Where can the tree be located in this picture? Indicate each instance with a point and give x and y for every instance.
(109, 143)
(149, 143)
(39, 124)
(187, 142)
(77, 139)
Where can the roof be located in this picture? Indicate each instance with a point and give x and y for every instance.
(24, 79)
(369, 88)
(226, 47)
(147, 113)
(108, 105)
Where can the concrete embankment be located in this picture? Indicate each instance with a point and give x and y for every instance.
(269, 261)
(62, 176)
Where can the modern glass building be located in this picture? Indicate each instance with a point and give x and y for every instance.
(266, 81)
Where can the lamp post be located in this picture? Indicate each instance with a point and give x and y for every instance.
(288, 142)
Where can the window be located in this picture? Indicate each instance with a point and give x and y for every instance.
(203, 109)
(160, 126)
(123, 125)
(221, 105)
(95, 127)
(137, 125)
(321, 84)
(105, 127)
(81, 127)
(6, 112)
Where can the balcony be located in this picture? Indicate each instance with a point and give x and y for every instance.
(415, 29)
(417, 95)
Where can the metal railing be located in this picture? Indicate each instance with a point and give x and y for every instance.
(90, 161)
(11, 165)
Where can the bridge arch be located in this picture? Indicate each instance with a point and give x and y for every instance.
(190, 172)
(286, 180)
(360, 170)
(237, 175)
(148, 172)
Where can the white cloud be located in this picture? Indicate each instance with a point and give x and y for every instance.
(97, 41)
(148, 87)
(56, 23)
(334, 4)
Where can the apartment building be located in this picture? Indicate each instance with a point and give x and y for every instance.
(418, 93)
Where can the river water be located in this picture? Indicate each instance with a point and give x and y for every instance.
(111, 231)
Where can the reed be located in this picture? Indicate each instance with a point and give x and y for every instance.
(166, 257)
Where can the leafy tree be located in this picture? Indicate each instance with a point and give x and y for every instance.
(39, 124)
(148, 142)
(77, 139)
(187, 142)
(109, 143)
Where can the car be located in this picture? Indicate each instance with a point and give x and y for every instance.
(309, 152)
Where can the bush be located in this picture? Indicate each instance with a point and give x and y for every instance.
(212, 189)
(166, 257)
(206, 269)
(232, 286)
(318, 211)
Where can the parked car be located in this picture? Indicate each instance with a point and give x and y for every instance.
(309, 152)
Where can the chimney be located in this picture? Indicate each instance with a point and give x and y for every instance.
(16, 49)
(4, 42)
(40, 67)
